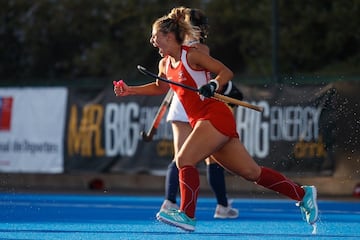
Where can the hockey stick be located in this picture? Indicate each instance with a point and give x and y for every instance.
(216, 96)
(147, 137)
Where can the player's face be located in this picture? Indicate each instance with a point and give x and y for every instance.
(159, 39)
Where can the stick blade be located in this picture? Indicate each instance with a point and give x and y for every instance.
(146, 137)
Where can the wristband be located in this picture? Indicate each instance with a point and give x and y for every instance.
(216, 83)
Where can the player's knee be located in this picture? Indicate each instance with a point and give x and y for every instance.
(182, 161)
(251, 174)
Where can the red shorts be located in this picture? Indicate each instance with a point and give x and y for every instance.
(220, 116)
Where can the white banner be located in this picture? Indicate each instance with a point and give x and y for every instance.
(32, 124)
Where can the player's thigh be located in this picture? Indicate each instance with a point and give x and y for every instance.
(201, 143)
(235, 158)
(181, 130)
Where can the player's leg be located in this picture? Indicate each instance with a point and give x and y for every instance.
(266, 177)
(194, 150)
(180, 132)
(250, 170)
(216, 180)
(200, 144)
(171, 187)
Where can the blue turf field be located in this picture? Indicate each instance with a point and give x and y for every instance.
(102, 217)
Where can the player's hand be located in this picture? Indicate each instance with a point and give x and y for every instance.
(120, 88)
(209, 89)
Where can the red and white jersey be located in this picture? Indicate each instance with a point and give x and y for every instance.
(197, 107)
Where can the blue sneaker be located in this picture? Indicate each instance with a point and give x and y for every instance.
(308, 205)
(177, 218)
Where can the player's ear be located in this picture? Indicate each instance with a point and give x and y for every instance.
(170, 36)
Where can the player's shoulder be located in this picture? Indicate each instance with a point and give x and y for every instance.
(199, 48)
(203, 47)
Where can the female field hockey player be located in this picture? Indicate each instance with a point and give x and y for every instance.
(213, 124)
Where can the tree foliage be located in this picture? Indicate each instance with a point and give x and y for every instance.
(108, 38)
